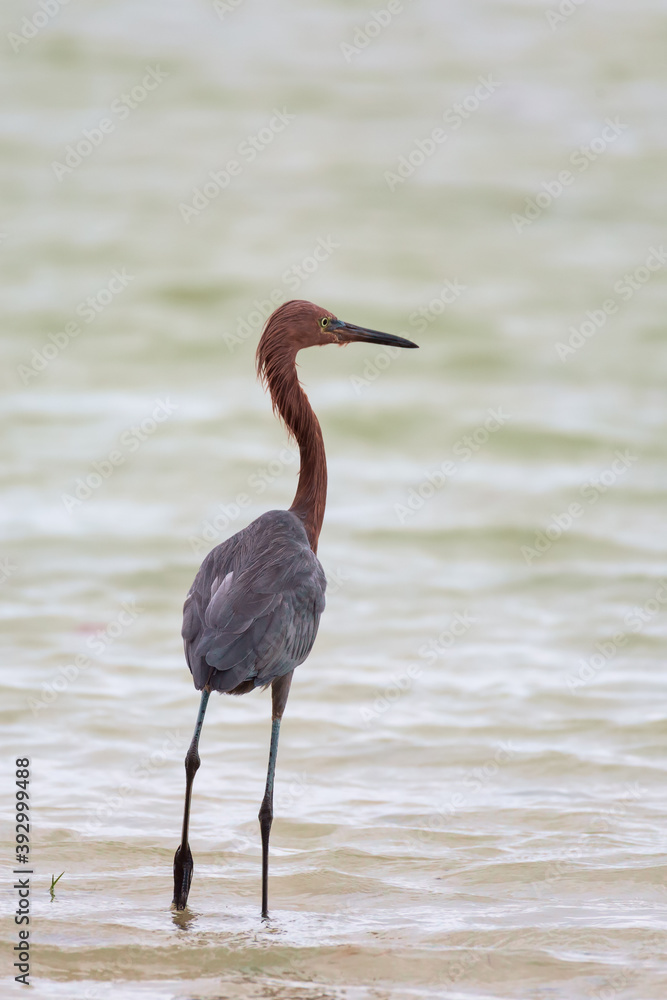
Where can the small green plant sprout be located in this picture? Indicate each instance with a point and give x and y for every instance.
(54, 883)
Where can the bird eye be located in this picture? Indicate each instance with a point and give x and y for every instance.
(324, 321)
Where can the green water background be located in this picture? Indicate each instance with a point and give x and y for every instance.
(470, 799)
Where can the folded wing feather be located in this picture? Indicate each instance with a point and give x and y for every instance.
(253, 610)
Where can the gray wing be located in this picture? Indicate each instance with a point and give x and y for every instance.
(253, 610)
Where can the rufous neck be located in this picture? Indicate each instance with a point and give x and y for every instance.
(294, 408)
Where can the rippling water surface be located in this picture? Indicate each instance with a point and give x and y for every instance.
(471, 779)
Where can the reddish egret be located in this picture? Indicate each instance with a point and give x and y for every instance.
(252, 613)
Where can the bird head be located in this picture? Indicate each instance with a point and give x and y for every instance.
(298, 324)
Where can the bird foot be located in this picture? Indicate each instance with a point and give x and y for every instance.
(183, 869)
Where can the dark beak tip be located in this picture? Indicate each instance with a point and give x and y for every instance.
(361, 333)
(404, 342)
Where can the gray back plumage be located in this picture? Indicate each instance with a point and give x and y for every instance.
(253, 610)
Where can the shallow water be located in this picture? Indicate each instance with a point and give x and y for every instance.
(470, 792)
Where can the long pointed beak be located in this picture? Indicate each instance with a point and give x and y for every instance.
(349, 333)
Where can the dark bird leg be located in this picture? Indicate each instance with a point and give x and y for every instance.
(279, 691)
(183, 864)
